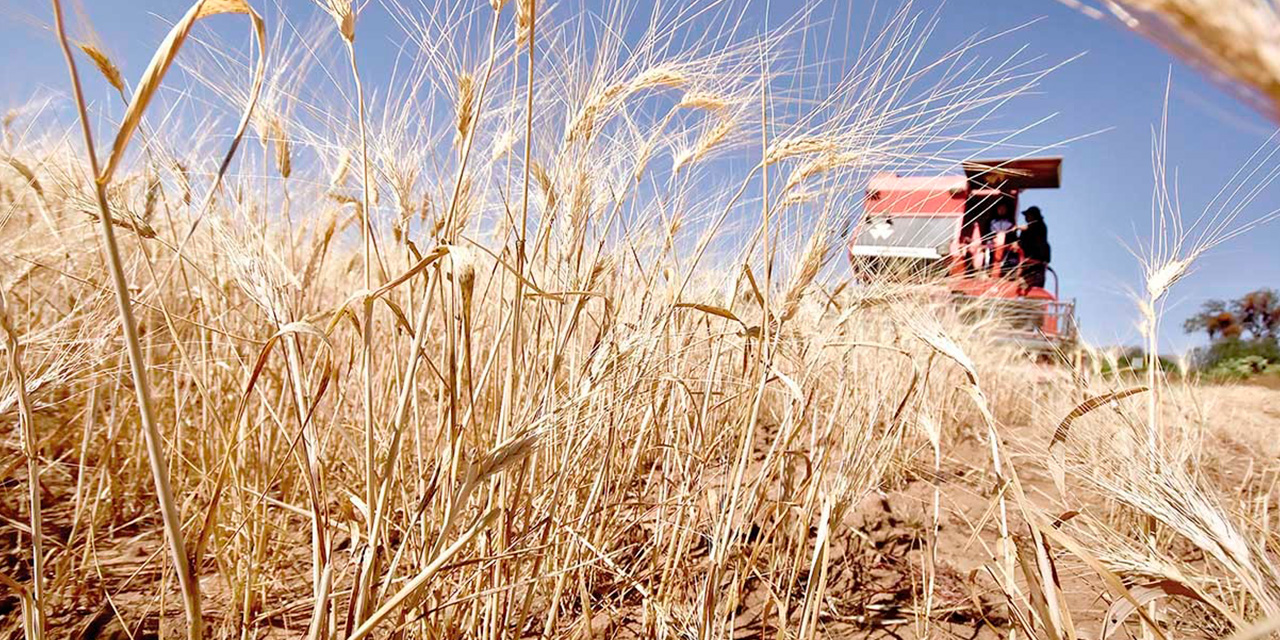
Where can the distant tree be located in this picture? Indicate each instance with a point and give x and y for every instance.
(1245, 330)
(1256, 313)
(1259, 313)
(1216, 320)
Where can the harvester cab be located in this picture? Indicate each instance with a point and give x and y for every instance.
(959, 231)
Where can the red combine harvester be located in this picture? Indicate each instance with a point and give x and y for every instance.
(954, 230)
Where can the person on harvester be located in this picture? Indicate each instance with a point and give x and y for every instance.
(1033, 239)
(1004, 232)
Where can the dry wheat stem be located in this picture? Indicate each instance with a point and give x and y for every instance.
(30, 450)
(137, 364)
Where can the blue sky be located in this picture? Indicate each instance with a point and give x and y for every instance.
(1115, 91)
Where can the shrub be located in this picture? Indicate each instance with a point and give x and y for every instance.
(1225, 354)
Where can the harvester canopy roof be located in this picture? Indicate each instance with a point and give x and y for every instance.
(1007, 175)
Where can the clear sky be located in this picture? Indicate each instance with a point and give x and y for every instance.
(1115, 90)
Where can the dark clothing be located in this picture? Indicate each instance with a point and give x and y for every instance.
(1033, 273)
(1034, 241)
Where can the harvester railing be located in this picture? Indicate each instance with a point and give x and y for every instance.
(1034, 323)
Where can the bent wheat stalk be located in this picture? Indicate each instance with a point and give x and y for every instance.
(424, 576)
(37, 618)
(151, 433)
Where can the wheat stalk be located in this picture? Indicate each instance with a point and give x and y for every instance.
(155, 453)
(31, 451)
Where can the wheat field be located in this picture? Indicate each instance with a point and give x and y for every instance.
(552, 335)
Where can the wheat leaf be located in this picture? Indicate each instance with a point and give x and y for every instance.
(710, 309)
(159, 66)
(1057, 446)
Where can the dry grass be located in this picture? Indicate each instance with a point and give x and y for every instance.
(546, 343)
